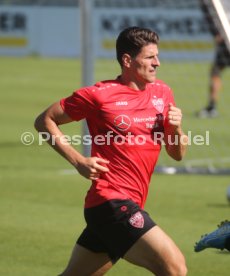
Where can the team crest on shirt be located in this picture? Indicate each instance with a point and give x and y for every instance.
(158, 104)
(137, 220)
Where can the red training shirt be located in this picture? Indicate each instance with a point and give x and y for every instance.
(125, 125)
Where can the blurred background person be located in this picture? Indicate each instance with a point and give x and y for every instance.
(220, 62)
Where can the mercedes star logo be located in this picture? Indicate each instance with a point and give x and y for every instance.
(122, 122)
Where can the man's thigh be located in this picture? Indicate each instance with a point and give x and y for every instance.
(114, 227)
(157, 252)
(84, 262)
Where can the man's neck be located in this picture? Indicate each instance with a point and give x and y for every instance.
(131, 83)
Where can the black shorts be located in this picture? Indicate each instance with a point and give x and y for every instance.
(113, 227)
(222, 59)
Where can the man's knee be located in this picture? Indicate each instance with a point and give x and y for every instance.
(174, 267)
(177, 268)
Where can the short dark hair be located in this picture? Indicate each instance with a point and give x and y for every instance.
(132, 39)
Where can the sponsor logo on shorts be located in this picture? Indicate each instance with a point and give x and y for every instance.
(137, 220)
(124, 208)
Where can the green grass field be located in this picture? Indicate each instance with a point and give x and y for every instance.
(41, 206)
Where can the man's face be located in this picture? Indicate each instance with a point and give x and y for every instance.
(143, 66)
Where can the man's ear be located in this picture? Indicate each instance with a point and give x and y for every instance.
(126, 60)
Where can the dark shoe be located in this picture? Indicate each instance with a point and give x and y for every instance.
(220, 238)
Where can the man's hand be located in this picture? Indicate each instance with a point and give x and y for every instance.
(173, 134)
(174, 116)
(92, 167)
(219, 39)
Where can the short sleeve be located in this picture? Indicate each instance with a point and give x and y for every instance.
(80, 105)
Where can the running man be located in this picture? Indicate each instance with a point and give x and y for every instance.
(129, 119)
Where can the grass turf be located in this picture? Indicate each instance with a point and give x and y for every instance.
(41, 208)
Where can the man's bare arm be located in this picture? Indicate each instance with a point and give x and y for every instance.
(48, 122)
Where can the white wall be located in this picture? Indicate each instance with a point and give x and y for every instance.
(55, 31)
(46, 31)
